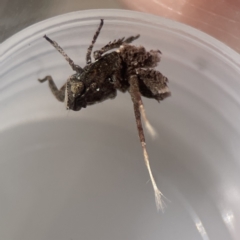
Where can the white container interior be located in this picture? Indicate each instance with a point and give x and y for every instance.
(81, 175)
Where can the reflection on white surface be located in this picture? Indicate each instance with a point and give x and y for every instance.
(201, 230)
(193, 214)
(230, 222)
(232, 194)
(230, 209)
(228, 218)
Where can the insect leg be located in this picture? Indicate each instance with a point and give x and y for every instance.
(115, 44)
(154, 84)
(89, 51)
(61, 51)
(59, 94)
(136, 98)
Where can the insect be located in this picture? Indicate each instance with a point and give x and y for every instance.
(128, 69)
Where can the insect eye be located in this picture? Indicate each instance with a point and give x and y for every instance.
(77, 88)
(110, 79)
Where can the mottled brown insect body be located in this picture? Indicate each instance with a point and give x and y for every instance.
(129, 68)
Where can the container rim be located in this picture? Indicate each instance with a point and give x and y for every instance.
(9, 45)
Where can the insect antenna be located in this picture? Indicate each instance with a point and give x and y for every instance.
(89, 51)
(61, 51)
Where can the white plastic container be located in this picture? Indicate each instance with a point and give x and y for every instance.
(81, 175)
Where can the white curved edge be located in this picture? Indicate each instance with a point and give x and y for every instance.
(144, 18)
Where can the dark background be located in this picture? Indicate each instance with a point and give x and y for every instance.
(18, 14)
